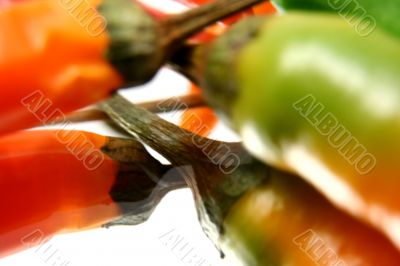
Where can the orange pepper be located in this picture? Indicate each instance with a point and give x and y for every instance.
(287, 222)
(45, 47)
(199, 120)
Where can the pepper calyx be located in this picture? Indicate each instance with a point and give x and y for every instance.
(135, 48)
(219, 82)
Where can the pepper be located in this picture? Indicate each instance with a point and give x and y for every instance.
(364, 15)
(311, 96)
(44, 49)
(287, 222)
(200, 120)
(253, 212)
(53, 181)
(74, 54)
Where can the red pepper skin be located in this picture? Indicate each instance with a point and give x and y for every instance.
(44, 47)
(53, 181)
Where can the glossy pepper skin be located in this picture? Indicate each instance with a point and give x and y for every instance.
(45, 48)
(55, 181)
(364, 15)
(287, 222)
(310, 96)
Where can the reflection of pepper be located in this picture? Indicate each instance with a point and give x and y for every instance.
(59, 48)
(309, 95)
(363, 14)
(52, 181)
(263, 215)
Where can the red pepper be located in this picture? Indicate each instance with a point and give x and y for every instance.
(53, 181)
(44, 48)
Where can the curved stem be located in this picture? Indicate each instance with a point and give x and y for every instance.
(178, 145)
(182, 26)
(201, 161)
(160, 106)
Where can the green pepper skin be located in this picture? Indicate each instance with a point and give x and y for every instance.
(302, 70)
(362, 14)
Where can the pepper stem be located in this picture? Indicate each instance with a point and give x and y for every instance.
(140, 44)
(205, 164)
(179, 27)
(178, 145)
(163, 105)
(213, 67)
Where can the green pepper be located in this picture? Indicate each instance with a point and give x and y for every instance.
(364, 15)
(255, 214)
(310, 96)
